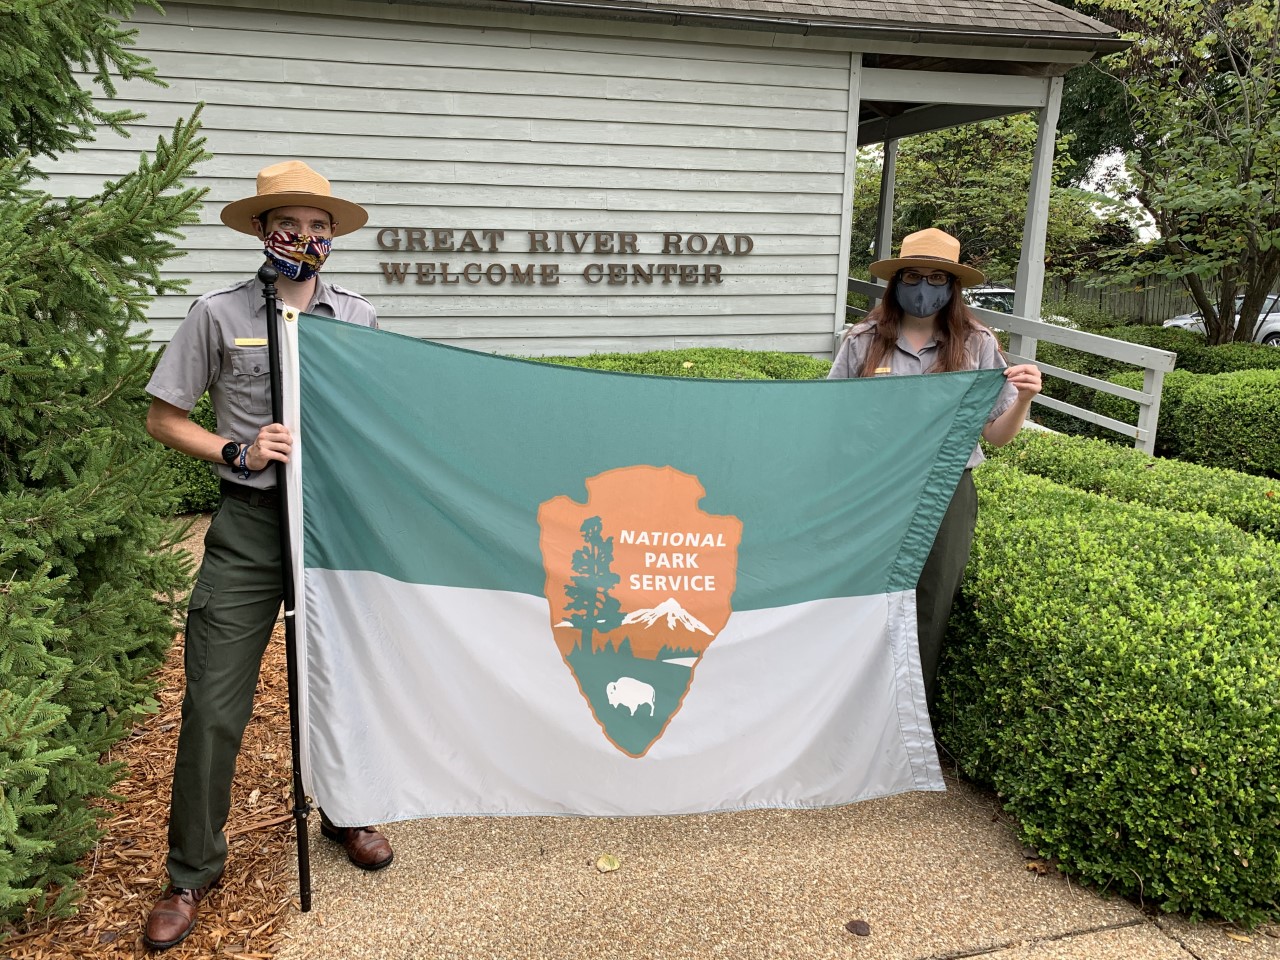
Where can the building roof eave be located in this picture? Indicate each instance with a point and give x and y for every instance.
(1095, 45)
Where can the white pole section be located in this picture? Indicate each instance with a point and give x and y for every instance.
(1030, 283)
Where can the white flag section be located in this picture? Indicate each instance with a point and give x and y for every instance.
(527, 590)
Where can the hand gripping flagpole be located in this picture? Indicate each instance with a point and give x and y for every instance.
(301, 808)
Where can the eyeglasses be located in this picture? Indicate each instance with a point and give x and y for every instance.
(938, 278)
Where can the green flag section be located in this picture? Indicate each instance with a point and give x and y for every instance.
(530, 589)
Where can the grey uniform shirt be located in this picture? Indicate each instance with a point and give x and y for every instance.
(982, 351)
(220, 349)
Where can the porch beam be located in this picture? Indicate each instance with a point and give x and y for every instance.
(966, 89)
(926, 120)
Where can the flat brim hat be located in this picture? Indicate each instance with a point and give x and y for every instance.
(929, 250)
(293, 184)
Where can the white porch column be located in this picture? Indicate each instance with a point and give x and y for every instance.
(1030, 282)
(846, 207)
(884, 212)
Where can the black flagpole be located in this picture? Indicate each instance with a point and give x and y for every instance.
(301, 808)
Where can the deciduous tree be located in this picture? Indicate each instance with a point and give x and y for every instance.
(1203, 94)
(973, 181)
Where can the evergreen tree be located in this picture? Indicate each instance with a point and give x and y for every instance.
(592, 608)
(87, 588)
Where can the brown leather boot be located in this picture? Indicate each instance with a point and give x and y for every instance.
(366, 847)
(174, 915)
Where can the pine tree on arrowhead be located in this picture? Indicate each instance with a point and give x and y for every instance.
(87, 586)
(592, 608)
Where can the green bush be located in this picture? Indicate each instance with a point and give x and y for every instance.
(1085, 314)
(193, 481)
(1114, 676)
(1194, 356)
(715, 363)
(1123, 473)
(1229, 420)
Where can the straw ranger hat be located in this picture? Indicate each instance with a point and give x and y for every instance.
(293, 184)
(929, 250)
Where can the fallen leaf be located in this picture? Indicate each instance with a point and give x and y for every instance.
(1241, 937)
(1038, 867)
(607, 863)
(859, 928)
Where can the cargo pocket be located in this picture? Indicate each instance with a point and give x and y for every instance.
(251, 380)
(196, 654)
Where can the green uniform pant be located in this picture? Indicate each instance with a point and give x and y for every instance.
(233, 608)
(941, 576)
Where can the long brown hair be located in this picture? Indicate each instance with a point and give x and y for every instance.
(955, 320)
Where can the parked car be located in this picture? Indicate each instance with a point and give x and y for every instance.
(1000, 299)
(1267, 332)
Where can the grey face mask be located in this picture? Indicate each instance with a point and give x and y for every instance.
(922, 300)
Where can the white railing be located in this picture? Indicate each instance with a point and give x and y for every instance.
(1025, 333)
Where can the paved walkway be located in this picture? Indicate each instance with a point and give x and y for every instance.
(933, 875)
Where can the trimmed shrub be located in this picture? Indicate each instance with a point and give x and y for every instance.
(1195, 355)
(1084, 313)
(714, 363)
(194, 482)
(1114, 675)
(1229, 420)
(1123, 473)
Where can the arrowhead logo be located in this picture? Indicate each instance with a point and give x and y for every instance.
(639, 583)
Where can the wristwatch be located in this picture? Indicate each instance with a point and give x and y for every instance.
(230, 453)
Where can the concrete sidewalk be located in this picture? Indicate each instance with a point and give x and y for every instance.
(933, 875)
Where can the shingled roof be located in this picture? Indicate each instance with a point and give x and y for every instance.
(1023, 23)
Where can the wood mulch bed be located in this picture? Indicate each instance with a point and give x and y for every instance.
(124, 874)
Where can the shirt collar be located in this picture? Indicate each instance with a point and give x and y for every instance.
(323, 295)
(905, 346)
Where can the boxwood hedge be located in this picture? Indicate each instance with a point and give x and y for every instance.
(1227, 420)
(1114, 674)
(1123, 473)
(194, 480)
(715, 363)
(1195, 355)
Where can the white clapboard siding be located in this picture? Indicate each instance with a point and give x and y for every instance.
(437, 119)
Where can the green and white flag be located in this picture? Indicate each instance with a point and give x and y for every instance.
(532, 589)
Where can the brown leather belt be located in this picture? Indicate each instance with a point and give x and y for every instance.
(250, 495)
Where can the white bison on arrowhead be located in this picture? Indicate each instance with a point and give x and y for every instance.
(630, 692)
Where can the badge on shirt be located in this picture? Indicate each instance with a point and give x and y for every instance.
(251, 342)
(879, 370)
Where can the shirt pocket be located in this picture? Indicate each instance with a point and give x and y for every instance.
(250, 381)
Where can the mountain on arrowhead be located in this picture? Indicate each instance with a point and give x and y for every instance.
(674, 614)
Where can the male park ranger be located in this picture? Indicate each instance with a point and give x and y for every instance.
(220, 348)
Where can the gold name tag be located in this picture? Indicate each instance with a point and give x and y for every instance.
(251, 342)
(879, 370)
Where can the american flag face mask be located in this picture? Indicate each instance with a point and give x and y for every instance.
(297, 255)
